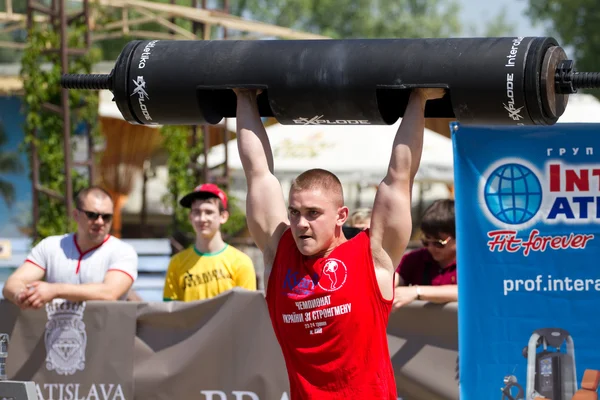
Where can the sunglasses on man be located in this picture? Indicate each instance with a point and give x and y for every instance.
(92, 216)
(440, 244)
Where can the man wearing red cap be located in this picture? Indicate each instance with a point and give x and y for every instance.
(210, 266)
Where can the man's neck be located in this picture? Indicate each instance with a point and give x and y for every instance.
(210, 245)
(85, 245)
(338, 240)
(445, 263)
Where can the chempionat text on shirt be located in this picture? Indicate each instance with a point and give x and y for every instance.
(193, 275)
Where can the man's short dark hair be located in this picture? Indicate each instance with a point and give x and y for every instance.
(82, 194)
(438, 218)
(318, 178)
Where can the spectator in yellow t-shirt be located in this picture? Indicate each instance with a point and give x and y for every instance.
(210, 266)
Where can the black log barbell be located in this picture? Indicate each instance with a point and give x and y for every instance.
(499, 81)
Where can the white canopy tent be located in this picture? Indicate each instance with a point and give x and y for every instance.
(355, 154)
(358, 154)
(581, 108)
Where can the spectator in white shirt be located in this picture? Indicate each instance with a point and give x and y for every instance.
(89, 264)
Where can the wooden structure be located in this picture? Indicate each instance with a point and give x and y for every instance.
(137, 12)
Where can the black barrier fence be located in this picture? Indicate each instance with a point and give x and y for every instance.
(218, 349)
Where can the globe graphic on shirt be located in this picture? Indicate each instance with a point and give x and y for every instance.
(513, 194)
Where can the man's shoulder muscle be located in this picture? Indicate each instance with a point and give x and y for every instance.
(273, 249)
(381, 258)
(276, 242)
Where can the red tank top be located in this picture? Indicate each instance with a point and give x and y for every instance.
(330, 320)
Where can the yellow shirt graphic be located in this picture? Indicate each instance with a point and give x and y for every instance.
(197, 276)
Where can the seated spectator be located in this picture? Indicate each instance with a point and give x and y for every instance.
(89, 264)
(429, 273)
(357, 222)
(361, 218)
(210, 266)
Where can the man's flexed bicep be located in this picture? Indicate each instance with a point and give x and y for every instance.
(266, 212)
(391, 223)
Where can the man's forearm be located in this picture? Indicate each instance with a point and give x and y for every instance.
(84, 292)
(12, 288)
(408, 143)
(439, 294)
(253, 142)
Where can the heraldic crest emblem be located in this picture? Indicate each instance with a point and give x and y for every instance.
(65, 337)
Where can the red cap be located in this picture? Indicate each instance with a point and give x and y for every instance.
(204, 191)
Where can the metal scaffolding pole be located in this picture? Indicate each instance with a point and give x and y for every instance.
(66, 112)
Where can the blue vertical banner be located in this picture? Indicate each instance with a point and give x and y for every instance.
(528, 253)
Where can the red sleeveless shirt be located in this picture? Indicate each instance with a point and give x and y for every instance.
(330, 320)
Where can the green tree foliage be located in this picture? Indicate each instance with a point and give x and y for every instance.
(493, 27)
(18, 36)
(574, 23)
(182, 180)
(339, 19)
(357, 18)
(111, 48)
(41, 84)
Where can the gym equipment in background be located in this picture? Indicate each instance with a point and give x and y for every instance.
(510, 382)
(551, 374)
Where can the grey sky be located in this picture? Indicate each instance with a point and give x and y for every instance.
(479, 12)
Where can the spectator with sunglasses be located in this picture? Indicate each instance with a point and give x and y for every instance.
(429, 273)
(88, 264)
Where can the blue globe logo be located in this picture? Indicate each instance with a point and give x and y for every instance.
(513, 194)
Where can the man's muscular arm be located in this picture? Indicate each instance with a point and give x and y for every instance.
(266, 212)
(391, 222)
